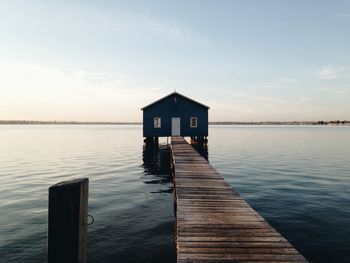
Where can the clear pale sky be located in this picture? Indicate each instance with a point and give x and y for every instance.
(104, 60)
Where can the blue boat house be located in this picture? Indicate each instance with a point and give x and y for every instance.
(175, 115)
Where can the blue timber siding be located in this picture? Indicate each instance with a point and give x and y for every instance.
(169, 108)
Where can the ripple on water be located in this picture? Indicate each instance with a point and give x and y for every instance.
(296, 177)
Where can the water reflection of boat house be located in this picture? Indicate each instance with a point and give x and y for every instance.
(175, 114)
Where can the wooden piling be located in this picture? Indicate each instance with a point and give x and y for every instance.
(67, 230)
(151, 142)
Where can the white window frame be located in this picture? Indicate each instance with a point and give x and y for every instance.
(157, 122)
(193, 126)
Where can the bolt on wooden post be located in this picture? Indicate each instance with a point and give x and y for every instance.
(67, 230)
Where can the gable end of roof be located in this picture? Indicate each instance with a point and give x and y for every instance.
(178, 94)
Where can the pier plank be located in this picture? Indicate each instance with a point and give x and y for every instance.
(213, 222)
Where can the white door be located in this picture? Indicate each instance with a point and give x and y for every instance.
(175, 126)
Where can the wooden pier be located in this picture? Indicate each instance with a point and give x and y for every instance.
(215, 224)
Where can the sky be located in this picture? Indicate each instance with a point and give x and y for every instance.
(248, 60)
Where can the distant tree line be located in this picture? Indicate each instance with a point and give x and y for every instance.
(334, 122)
(66, 122)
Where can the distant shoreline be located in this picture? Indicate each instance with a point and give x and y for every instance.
(67, 123)
(321, 123)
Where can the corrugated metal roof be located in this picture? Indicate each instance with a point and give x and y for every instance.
(177, 94)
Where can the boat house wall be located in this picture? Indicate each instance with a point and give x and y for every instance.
(172, 106)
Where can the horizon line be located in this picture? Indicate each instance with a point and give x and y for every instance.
(319, 122)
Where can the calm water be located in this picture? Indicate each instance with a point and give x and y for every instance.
(298, 178)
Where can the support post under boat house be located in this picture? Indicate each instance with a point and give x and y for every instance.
(175, 115)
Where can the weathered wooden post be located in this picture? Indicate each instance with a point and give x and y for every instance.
(67, 233)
